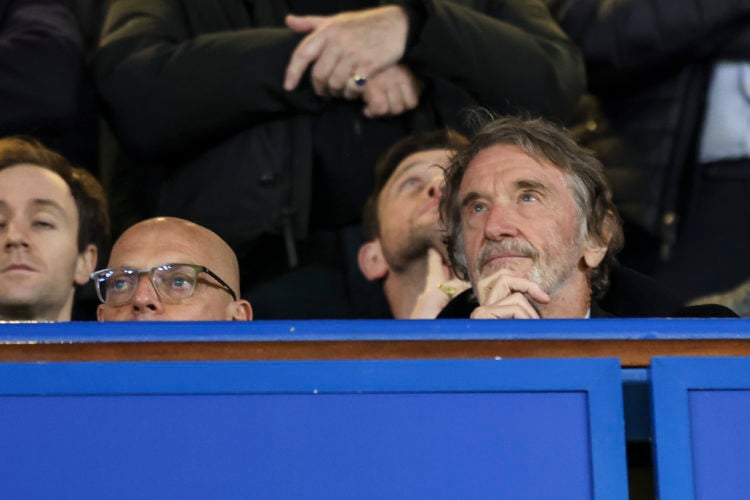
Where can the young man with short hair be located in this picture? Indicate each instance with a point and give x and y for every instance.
(53, 223)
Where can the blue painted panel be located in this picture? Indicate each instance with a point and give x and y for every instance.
(330, 446)
(384, 429)
(701, 410)
(720, 442)
(331, 330)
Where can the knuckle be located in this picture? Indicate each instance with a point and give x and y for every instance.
(378, 104)
(303, 53)
(366, 63)
(318, 73)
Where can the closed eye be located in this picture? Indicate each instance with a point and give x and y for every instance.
(410, 184)
(43, 224)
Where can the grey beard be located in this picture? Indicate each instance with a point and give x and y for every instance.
(542, 273)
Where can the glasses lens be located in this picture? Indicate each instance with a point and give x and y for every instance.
(117, 286)
(175, 282)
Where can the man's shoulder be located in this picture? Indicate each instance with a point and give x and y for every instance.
(704, 311)
(632, 294)
(597, 312)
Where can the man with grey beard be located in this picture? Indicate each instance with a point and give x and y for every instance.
(530, 222)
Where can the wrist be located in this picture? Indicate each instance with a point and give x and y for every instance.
(416, 16)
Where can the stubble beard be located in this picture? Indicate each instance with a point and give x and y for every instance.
(418, 241)
(20, 311)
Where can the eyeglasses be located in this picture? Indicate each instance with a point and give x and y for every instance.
(172, 282)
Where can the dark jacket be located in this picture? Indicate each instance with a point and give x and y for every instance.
(193, 92)
(648, 65)
(42, 79)
(630, 295)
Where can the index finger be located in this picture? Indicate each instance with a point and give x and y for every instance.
(437, 271)
(303, 24)
(501, 284)
(307, 51)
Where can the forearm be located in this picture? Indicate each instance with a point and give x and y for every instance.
(167, 90)
(514, 53)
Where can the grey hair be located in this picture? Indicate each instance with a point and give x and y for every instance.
(542, 140)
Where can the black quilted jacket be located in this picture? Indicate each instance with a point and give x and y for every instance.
(648, 63)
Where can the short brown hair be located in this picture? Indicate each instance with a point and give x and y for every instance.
(93, 215)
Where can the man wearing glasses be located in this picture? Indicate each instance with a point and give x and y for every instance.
(169, 269)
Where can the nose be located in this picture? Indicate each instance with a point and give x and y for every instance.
(15, 235)
(145, 299)
(500, 223)
(435, 186)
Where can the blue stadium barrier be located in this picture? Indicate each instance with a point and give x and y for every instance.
(701, 417)
(691, 334)
(336, 330)
(524, 428)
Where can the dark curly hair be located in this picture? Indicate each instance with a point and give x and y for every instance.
(541, 140)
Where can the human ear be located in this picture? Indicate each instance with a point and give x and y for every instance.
(85, 264)
(595, 249)
(240, 310)
(593, 254)
(371, 260)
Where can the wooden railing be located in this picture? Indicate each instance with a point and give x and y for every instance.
(634, 342)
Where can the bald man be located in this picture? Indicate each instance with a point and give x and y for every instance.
(192, 275)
